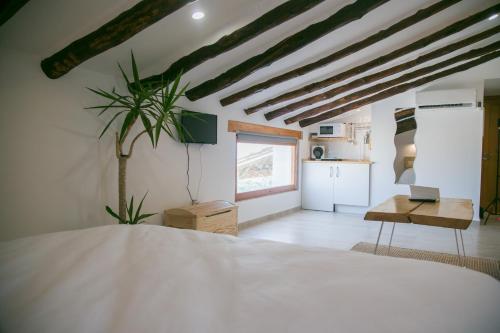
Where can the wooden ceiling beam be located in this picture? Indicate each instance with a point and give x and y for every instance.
(421, 43)
(351, 49)
(111, 34)
(391, 83)
(378, 76)
(399, 89)
(269, 20)
(344, 16)
(9, 8)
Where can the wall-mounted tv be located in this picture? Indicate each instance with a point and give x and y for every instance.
(199, 127)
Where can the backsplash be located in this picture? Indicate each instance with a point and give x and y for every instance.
(357, 143)
(356, 146)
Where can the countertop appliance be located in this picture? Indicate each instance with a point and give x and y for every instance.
(332, 130)
(317, 152)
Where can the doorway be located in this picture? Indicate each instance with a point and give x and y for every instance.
(489, 175)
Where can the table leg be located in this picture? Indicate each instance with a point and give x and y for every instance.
(458, 250)
(390, 240)
(462, 239)
(378, 238)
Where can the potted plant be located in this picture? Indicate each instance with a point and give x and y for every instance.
(145, 109)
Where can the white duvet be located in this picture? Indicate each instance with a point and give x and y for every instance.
(156, 279)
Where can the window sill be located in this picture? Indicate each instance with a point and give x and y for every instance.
(265, 192)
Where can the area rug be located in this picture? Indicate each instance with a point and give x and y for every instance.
(484, 265)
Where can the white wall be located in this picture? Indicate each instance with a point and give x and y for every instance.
(163, 172)
(448, 144)
(53, 170)
(56, 174)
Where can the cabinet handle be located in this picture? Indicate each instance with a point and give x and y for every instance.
(338, 171)
(331, 172)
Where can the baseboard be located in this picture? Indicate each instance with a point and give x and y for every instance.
(351, 209)
(251, 223)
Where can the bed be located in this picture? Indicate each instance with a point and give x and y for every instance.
(157, 279)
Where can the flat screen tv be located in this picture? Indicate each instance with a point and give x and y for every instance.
(199, 127)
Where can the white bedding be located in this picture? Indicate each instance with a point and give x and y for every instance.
(156, 279)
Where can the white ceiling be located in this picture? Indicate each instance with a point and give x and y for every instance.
(43, 27)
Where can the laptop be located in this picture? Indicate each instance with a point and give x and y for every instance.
(424, 194)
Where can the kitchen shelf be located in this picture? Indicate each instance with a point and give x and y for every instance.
(316, 139)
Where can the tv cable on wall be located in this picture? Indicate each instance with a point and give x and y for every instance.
(200, 128)
(194, 200)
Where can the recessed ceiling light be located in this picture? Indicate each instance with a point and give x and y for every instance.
(198, 15)
(492, 17)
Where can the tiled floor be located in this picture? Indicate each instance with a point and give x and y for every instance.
(343, 231)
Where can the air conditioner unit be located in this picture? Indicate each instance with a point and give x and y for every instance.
(457, 98)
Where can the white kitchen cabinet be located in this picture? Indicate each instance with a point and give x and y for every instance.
(317, 186)
(351, 184)
(325, 184)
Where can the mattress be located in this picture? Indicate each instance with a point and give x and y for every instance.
(156, 279)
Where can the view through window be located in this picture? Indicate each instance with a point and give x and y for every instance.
(265, 167)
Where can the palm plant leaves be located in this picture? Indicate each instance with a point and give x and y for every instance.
(154, 106)
(135, 73)
(147, 126)
(166, 111)
(127, 124)
(109, 123)
(133, 217)
(138, 217)
(112, 213)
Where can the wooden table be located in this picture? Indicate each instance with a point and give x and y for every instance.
(447, 213)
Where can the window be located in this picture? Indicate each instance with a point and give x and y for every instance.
(265, 165)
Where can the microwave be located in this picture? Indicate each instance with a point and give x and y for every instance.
(332, 130)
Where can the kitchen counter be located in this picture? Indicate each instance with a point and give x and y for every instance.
(340, 161)
(328, 184)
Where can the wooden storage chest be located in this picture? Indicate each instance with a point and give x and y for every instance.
(216, 216)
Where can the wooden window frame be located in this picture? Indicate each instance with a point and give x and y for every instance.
(239, 126)
(248, 128)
